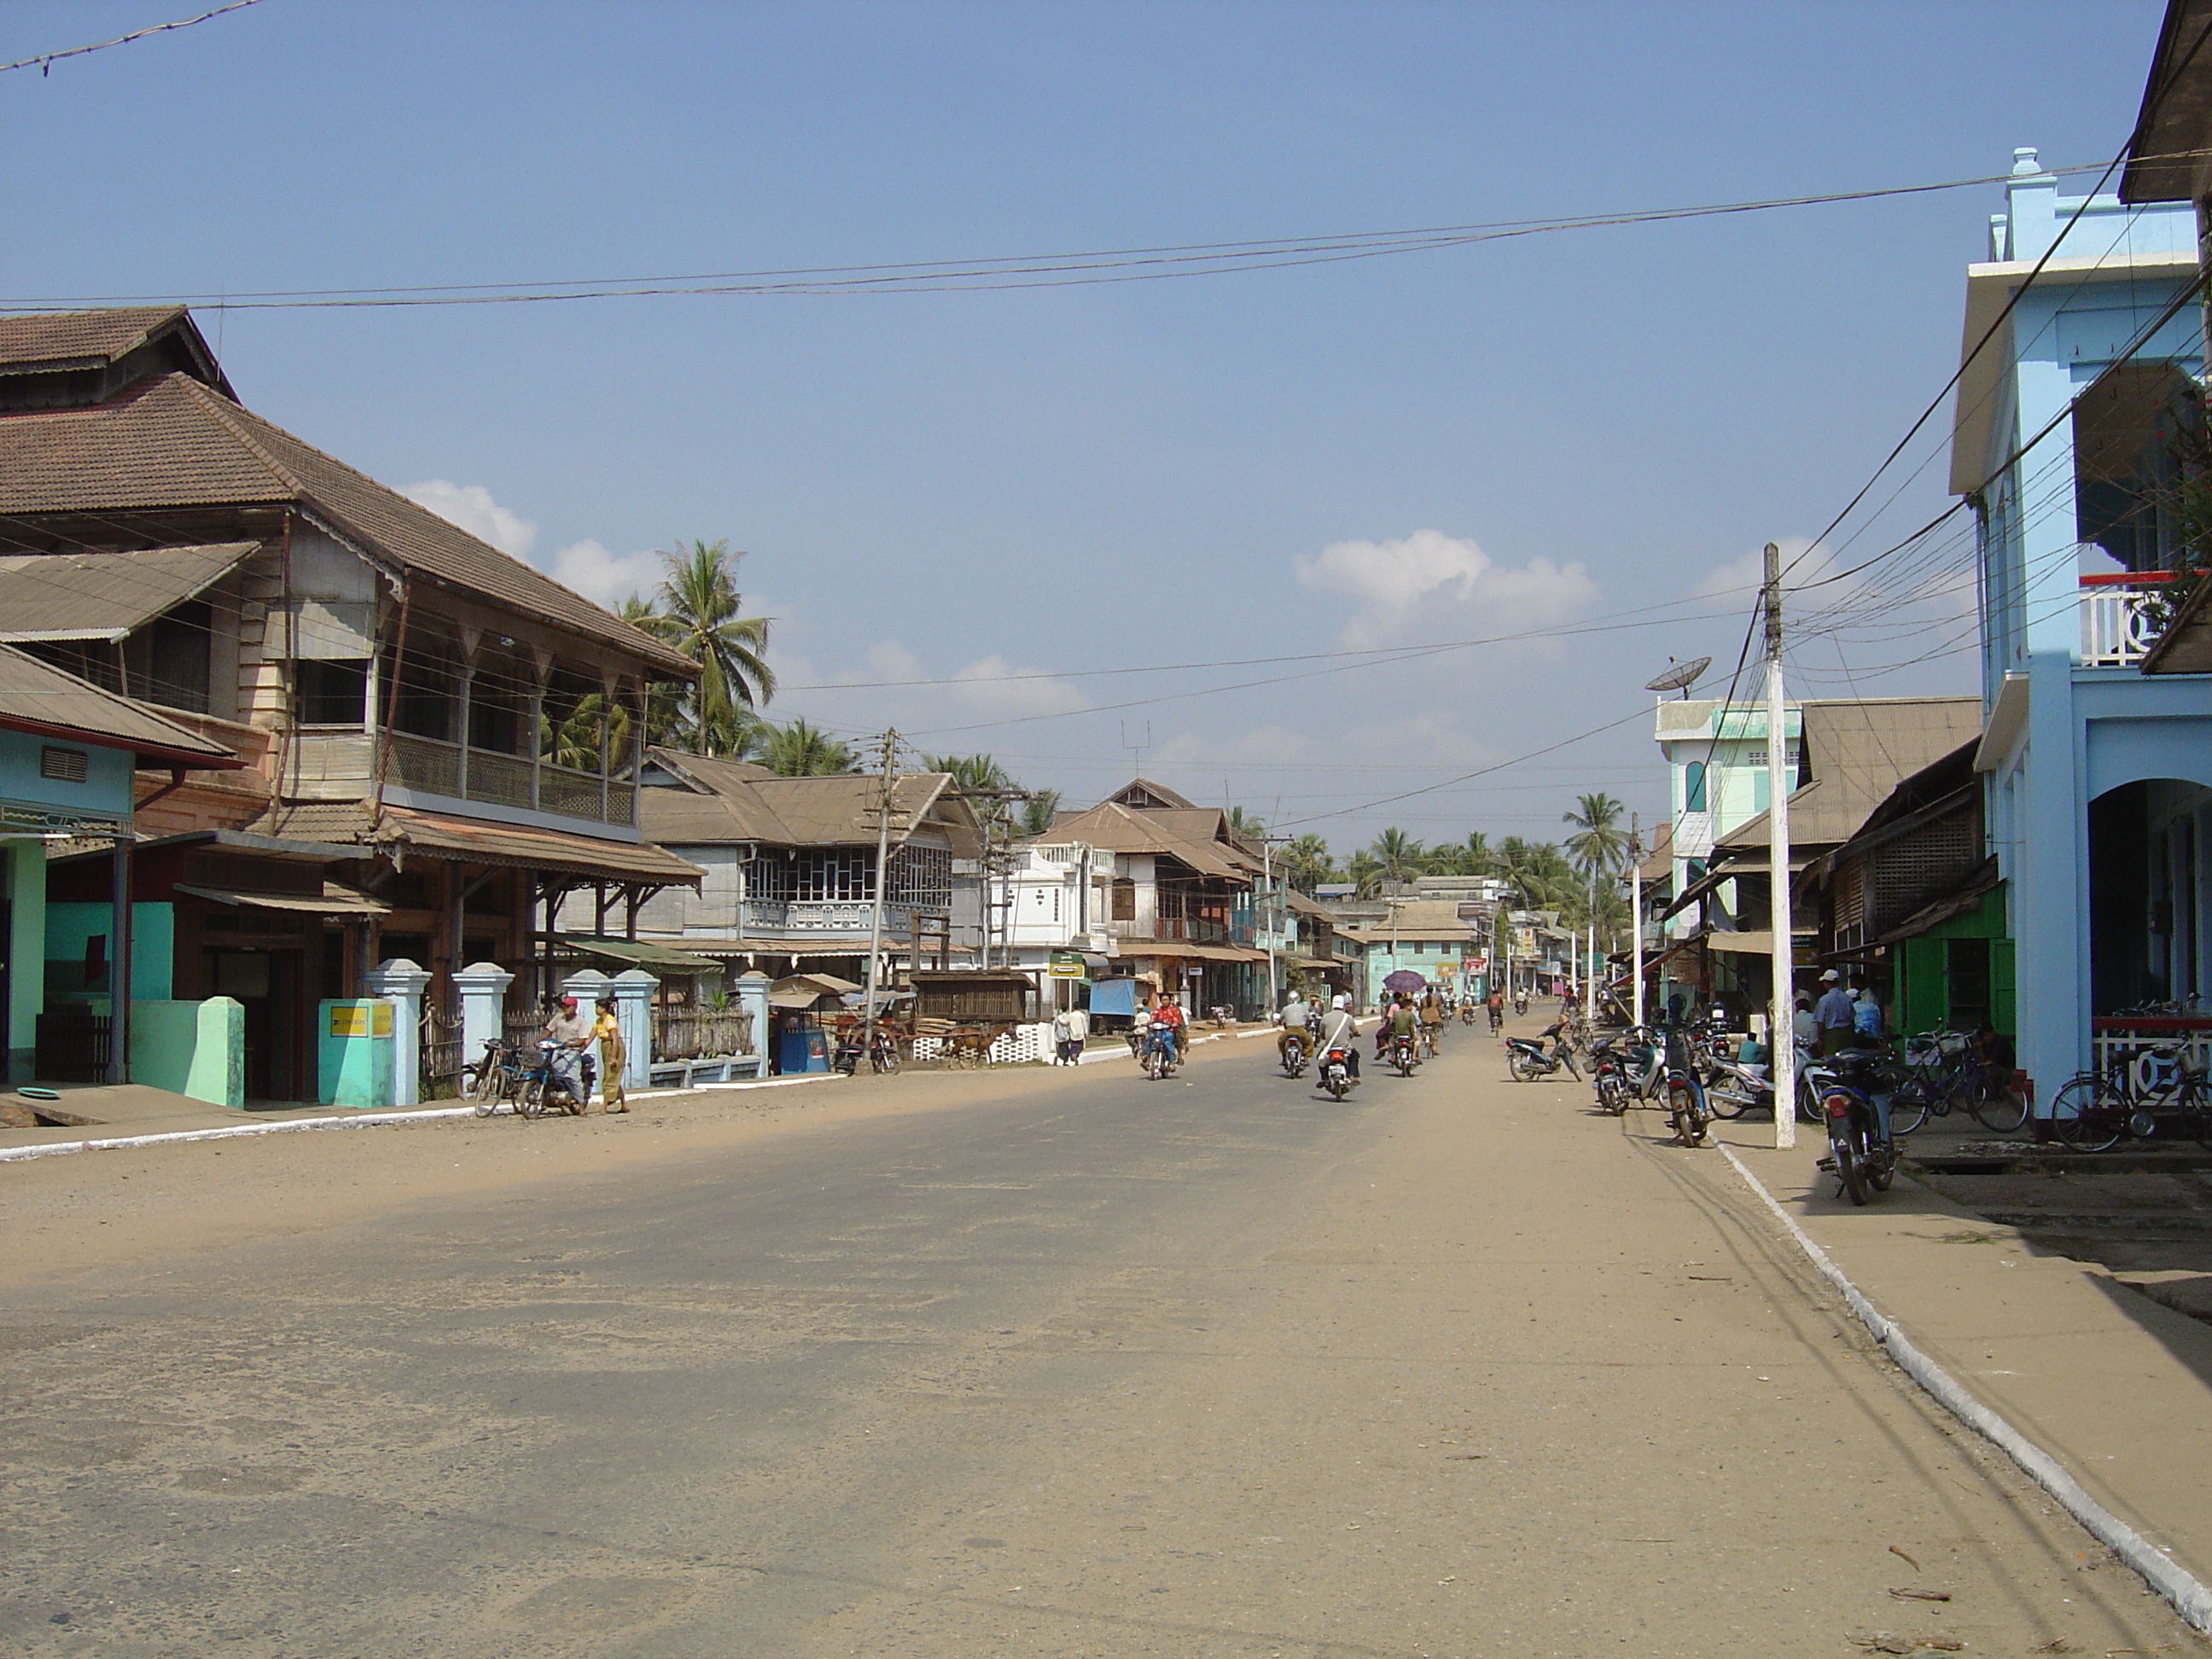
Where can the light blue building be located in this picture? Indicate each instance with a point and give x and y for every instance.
(2068, 439)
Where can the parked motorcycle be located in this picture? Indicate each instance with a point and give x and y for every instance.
(1626, 1067)
(1527, 1059)
(1336, 1072)
(1733, 1088)
(1865, 1162)
(1686, 1090)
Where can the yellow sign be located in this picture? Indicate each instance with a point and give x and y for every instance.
(360, 1019)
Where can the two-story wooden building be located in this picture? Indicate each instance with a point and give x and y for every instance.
(463, 729)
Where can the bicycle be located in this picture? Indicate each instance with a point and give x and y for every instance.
(1428, 1044)
(2095, 1110)
(1944, 1070)
(495, 1078)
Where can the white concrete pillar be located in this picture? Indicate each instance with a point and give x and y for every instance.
(483, 986)
(586, 984)
(633, 990)
(752, 1001)
(404, 982)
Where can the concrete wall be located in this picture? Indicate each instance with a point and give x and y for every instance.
(195, 1048)
(105, 793)
(68, 924)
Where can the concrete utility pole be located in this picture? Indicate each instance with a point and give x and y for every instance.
(1275, 914)
(1636, 916)
(1780, 1044)
(889, 758)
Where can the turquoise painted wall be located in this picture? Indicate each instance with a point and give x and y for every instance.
(69, 923)
(106, 791)
(27, 953)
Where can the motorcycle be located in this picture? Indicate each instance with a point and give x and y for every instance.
(883, 1056)
(1627, 1067)
(1404, 1052)
(546, 1088)
(1294, 1053)
(1685, 1091)
(1161, 1057)
(1466, 1013)
(1864, 1163)
(1336, 1072)
(1520, 1002)
(1733, 1088)
(1527, 1059)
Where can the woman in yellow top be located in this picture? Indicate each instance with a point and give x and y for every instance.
(613, 1058)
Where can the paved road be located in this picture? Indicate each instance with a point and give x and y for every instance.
(1094, 1366)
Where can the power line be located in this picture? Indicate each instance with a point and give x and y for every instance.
(1063, 270)
(44, 62)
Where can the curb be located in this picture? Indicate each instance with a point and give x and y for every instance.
(363, 1121)
(2188, 1594)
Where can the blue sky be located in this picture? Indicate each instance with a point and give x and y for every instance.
(953, 486)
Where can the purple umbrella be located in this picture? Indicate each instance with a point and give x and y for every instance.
(1404, 980)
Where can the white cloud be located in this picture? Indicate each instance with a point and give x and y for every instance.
(603, 576)
(472, 507)
(989, 685)
(1394, 583)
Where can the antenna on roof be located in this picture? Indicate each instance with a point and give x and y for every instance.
(1678, 676)
(1137, 749)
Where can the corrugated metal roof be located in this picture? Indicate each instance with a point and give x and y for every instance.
(104, 596)
(735, 800)
(1857, 752)
(472, 841)
(35, 697)
(170, 442)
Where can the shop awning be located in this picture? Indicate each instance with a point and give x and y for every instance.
(1181, 951)
(1983, 882)
(335, 900)
(403, 832)
(637, 953)
(1742, 945)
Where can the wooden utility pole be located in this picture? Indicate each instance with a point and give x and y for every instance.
(888, 753)
(1781, 1043)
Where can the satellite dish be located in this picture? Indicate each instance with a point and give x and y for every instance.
(1680, 677)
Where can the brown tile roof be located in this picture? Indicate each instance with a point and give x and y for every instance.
(36, 698)
(1115, 828)
(104, 596)
(170, 441)
(54, 341)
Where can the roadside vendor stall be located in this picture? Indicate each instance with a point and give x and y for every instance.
(796, 1005)
(964, 1014)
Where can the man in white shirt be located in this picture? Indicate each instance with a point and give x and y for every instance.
(1339, 1029)
(1079, 1033)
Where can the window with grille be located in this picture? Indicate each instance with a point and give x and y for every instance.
(768, 877)
(922, 877)
(833, 874)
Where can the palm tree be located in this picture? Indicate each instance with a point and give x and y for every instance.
(1401, 857)
(696, 612)
(1243, 826)
(1598, 842)
(1365, 871)
(974, 775)
(1305, 863)
(799, 750)
(1039, 810)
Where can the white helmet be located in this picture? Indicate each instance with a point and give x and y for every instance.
(1341, 999)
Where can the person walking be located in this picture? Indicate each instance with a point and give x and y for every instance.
(614, 1057)
(1079, 1034)
(1062, 1039)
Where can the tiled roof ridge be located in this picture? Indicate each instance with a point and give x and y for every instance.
(232, 414)
(221, 410)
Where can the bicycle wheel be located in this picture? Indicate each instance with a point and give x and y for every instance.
(531, 1103)
(480, 1091)
(1998, 1106)
(2087, 1115)
(1908, 1107)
